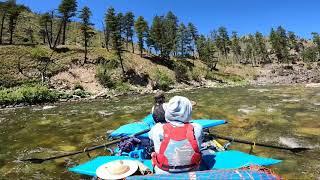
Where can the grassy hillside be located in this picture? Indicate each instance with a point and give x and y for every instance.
(18, 66)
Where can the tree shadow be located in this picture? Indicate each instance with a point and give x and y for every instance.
(137, 79)
(187, 63)
(160, 61)
(61, 50)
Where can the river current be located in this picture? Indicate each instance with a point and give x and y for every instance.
(279, 115)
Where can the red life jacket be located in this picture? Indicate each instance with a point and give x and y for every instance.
(175, 135)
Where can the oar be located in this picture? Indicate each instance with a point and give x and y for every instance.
(294, 150)
(39, 161)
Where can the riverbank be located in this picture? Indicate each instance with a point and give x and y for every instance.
(41, 95)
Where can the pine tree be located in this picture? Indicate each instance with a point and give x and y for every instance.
(111, 23)
(279, 43)
(316, 41)
(222, 41)
(3, 13)
(141, 28)
(149, 41)
(14, 10)
(106, 31)
(170, 34)
(68, 9)
(250, 49)
(293, 42)
(163, 33)
(121, 23)
(156, 33)
(44, 21)
(114, 24)
(235, 46)
(206, 49)
(261, 48)
(184, 39)
(86, 29)
(253, 43)
(117, 41)
(194, 34)
(129, 24)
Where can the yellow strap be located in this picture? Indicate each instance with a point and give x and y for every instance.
(254, 145)
(218, 144)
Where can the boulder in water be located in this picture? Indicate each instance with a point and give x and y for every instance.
(48, 107)
(290, 142)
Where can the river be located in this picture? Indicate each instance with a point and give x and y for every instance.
(279, 115)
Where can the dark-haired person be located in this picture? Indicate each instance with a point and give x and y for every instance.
(158, 110)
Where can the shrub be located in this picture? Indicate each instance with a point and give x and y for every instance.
(81, 93)
(162, 81)
(32, 94)
(224, 78)
(122, 86)
(309, 54)
(181, 72)
(104, 76)
(113, 62)
(110, 63)
(78, 86)
(197, 74)
(39, 53)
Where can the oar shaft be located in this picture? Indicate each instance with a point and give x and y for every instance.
(91, 148)
(249, 142)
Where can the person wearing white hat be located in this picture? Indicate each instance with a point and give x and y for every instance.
(176, 143)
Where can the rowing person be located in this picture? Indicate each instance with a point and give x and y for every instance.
(177, 142)
(158, 110)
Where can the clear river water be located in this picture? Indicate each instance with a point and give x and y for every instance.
(279, 115)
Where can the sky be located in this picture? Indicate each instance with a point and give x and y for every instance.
(243, 16)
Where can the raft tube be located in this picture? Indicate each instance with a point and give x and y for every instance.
(222, 160)
(148, 122)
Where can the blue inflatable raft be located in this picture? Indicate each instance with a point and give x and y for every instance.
(212, 160)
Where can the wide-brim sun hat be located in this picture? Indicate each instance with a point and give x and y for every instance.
(179, 109)
(118, 169)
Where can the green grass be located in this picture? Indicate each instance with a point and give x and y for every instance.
(32, 94)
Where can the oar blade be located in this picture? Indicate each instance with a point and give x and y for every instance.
(34, 160)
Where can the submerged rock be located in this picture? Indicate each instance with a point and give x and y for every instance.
(48, 107)
(105, 113)
(269, 109)
(291, 100)
(290, 142)
(313, 85)
(259, 90)
(67, 148)
(247, 110)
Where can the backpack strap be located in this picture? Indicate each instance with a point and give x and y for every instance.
(196, 158)
(159, 159)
